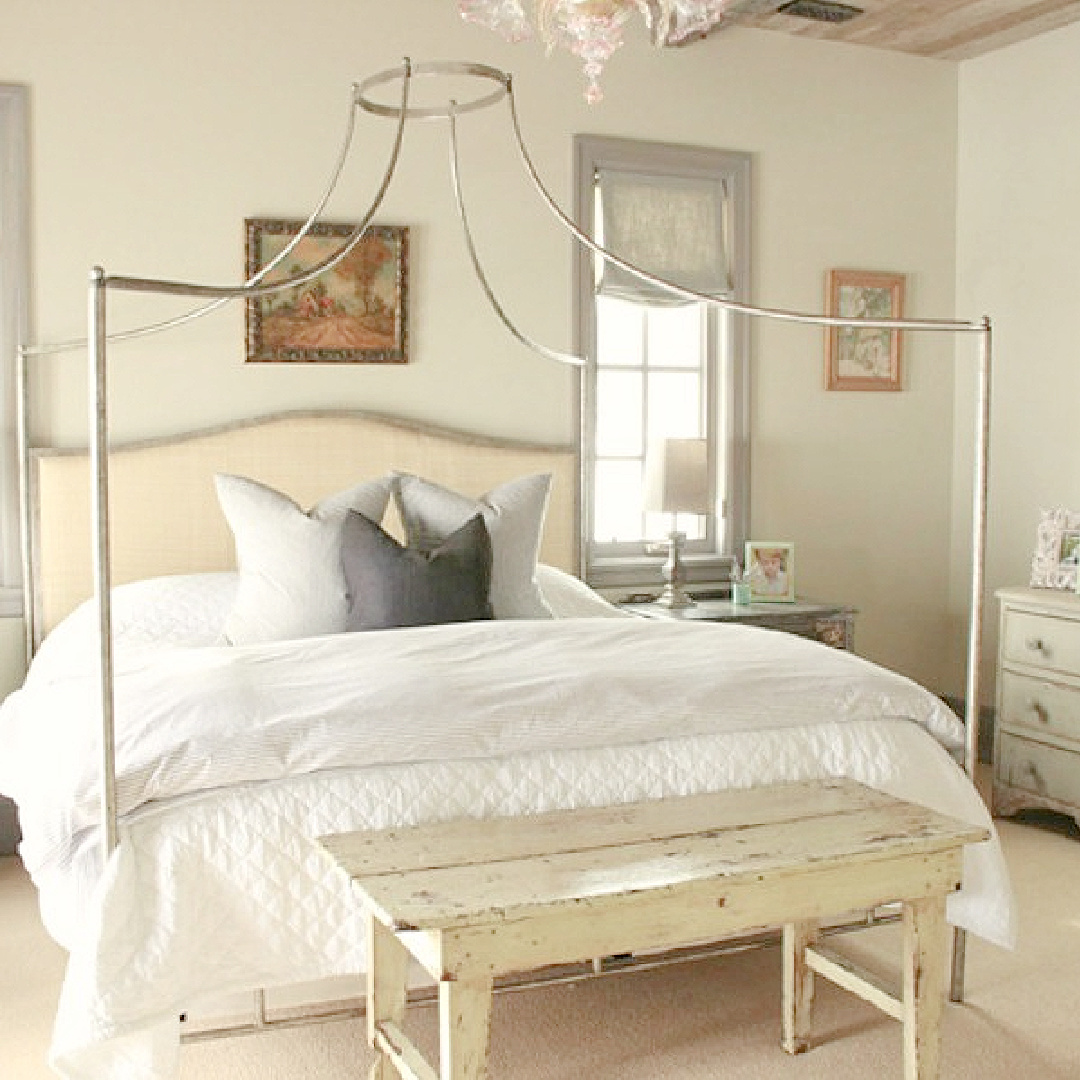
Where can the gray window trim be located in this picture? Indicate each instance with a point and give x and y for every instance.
(731, 411)
(14, 322)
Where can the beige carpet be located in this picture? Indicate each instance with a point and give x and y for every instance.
(715, 1019)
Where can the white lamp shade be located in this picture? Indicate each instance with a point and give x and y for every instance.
(677, 477)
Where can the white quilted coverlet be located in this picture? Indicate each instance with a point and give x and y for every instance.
(217, 886)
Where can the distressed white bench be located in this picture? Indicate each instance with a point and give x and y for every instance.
(474, 900)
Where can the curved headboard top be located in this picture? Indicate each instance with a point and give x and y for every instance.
(163, 509)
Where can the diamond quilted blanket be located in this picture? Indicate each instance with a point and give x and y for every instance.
(231, 761)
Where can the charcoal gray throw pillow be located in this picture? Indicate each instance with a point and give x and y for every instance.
(390, 585)
(514, 515)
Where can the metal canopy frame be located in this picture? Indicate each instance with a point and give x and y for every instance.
(99, 338)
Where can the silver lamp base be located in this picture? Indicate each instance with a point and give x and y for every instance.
(674, 594)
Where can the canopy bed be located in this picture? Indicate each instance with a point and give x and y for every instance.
(178, 861)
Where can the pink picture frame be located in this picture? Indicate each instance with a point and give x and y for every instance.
(857, 359)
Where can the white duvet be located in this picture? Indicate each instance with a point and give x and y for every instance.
(230, 760)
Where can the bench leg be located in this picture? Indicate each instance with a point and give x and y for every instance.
(959, 965)
(925, 948)
(387, 985)
(464, 1027)
(798, 987)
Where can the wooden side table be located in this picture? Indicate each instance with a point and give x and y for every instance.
(832, 624)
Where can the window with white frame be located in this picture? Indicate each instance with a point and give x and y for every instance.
(14, 277)
(661, 366)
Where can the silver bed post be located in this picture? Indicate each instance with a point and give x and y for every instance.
(978, 567)
(980, 481)
(26, 501)
(99, 459)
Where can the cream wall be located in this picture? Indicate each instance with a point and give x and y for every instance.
(158, 128)
(1017, 241)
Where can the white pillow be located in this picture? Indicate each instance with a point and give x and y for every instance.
(292, 583)
(514, 516)
(160, 612)
(570, 598)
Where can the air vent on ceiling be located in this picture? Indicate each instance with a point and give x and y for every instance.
(820, 10)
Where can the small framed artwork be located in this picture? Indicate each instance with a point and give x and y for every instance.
(1057, 550)
(354, 313)
(857, 359)
(770, 571)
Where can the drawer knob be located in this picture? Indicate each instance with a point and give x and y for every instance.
(1029, 768)
(1038, 645)
(1042, 713)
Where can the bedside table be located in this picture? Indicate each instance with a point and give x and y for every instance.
(1037, 735)
(831, 624)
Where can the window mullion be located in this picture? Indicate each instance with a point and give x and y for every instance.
(14, 319)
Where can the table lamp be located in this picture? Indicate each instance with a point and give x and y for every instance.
(677, 482)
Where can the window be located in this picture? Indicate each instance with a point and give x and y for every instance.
(14, 306)
(661, 366)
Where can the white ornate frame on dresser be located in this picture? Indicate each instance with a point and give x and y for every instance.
(1037, 734)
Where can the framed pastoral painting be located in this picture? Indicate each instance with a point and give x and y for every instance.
(354, 313)
(857, 359)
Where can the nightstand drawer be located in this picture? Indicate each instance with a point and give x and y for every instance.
(1040, 705)
(1041, 770)
(1042, 641)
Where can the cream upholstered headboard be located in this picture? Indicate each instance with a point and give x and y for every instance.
(163, 509)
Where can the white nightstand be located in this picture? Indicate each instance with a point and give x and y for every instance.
(1037, 735)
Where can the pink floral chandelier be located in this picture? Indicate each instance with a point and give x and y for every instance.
(593, 29)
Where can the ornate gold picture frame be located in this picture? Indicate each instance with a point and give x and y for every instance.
(355, 313)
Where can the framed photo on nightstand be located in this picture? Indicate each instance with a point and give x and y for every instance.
(770, 570)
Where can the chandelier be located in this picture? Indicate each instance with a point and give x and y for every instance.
(593, 29)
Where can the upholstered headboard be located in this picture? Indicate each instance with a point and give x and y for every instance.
(164, 514)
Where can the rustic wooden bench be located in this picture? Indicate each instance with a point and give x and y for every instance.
(478, 899)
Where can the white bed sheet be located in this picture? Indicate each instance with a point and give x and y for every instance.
(217, 888)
